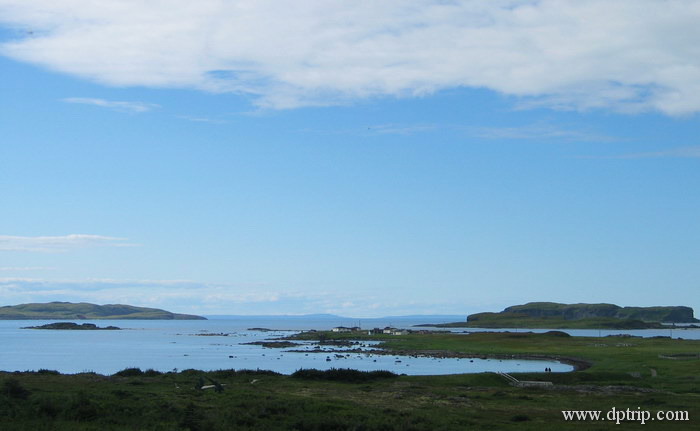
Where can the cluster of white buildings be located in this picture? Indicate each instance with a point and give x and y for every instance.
(388, 330)
(346, 329)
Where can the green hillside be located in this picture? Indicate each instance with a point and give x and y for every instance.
(553, 315)
(676, 314)
(84, 310)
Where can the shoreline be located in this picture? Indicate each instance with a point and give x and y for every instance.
(578, 363)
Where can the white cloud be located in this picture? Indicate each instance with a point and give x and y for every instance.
(135, 107)
(54, 244)
(629, 55)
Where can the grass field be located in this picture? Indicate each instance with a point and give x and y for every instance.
(619, 376)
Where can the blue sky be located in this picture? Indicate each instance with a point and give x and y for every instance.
(361, 159)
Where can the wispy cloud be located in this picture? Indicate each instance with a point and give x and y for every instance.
(56, 244)
(401, 129)
(629, 55)
(404, 129)
(202, 119)
(133, 107)
(691, 152)
(26, 268)
(540, 132)
(214, 298)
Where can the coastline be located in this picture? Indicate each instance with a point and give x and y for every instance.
(579, 364)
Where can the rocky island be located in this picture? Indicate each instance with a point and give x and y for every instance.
(552, 315)
(87, 311)
(74, 327)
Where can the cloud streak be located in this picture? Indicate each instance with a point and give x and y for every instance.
(26, 268)
(211, 298)
(133, 107)
(540, 133)
(401, 129)
(57, 244)
(626, 55)
(690, 152)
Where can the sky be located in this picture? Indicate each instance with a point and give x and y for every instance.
(360, 158)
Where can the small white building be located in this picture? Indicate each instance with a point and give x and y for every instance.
(345, 329)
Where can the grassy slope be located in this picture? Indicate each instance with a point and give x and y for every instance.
(578, 311)
(170, 402)
(577, 316)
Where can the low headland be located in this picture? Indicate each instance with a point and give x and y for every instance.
(551, 315)
(87, 311)
(71, 326)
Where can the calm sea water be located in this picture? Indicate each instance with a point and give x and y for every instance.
(167, 345)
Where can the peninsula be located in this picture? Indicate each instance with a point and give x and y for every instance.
(84, 311)
(552, 315)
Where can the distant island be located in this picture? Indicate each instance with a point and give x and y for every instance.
(74, 327)
(552, 315)
(85, 311)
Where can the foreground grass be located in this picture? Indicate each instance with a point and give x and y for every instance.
(255, 400)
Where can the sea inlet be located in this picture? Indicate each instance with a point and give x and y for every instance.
(167, 345)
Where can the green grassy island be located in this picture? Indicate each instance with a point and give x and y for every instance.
(70, 326)
(550, 315)
(84, 310)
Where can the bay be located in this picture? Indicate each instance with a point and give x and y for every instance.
(167, 345)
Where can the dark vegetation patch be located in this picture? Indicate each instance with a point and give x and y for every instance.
(222, 374)
(274, 344)
(557, 334)
(136, 372)
(12, 388)
(345, 375)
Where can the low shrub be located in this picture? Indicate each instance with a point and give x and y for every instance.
(342, 375)
(13, 389)
(49, 372)
(129, 372)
